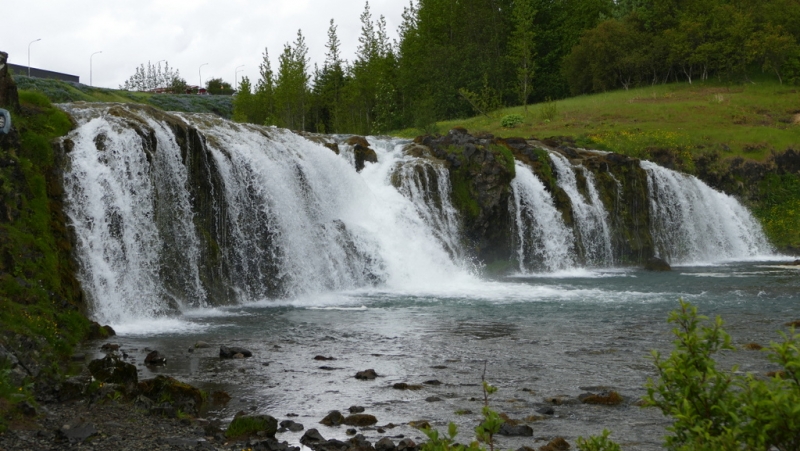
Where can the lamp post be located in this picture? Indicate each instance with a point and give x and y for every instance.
(29, 54)
(200, 73)
(235, 77)
(90, 66)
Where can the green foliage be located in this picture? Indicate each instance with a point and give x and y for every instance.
(153, 77)
(216, 86)
(548, 110)
(719, 409)
(598, 443)
(511, 120)
(39, 295)
(779, 209)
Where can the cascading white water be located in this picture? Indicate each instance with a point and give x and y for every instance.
(426, 182)
(591, 217)
(691, 222)
(543, 241)
(288, 217)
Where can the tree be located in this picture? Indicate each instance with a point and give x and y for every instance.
(522, 47)
(216, 86)
(244, 102)
(152, 77)
(291, 87)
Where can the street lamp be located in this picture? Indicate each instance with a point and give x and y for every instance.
(235, 76)
(199, 72)
(90, 66)
(29, 54)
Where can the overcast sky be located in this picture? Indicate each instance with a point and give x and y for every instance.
(187, 34)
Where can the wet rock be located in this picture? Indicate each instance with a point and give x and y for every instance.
(608, 398)
(110, 347)
(328, 368)
(419, 424)
(270, 444)
(182, 396)
(155, 358)
(77, 433)
(557, 444)
(98, 332)
(546, 410)
(334, 418)
(432, 382)
(360, 419)
(385, 444)
(356, 409)
(242, 425)
(405, 386)
(292, 426)
(433, 399)
(406, 445)
(333, 146)
(519, 430)
(359, 443)
(201, 345)
(226, 352)
(73, 388)
(656, 264)
(351, 431)
(322, 357)
(113, 370)
(366, 375)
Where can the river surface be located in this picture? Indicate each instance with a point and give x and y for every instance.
(537, 336)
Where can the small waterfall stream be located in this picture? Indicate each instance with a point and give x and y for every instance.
(691, 222)
(591, 218)
(543, 241)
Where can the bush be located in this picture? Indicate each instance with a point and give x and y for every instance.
(718, 409)
(511, 120)
(595, 443)
(548, 111)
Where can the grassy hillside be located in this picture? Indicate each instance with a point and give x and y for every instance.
(704, 128)
(62, 92)
(749, 120)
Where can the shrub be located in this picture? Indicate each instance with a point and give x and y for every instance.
(718, 409)
(511, 120)
(595, 443)
(548, 110)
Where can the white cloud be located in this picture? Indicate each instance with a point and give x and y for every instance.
(186, 33)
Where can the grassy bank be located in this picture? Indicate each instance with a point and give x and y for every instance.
(707, 120)
(41, 305)
(62, 92)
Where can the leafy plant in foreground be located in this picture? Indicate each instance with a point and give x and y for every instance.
(598, 443)
(716, 409)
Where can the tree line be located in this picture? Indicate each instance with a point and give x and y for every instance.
(461, 58)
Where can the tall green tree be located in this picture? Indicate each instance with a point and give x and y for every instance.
(522, 48)
(291, 88)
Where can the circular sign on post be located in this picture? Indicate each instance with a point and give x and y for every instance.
(5, 121)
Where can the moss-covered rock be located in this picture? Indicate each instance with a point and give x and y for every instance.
(179, 395)
(247, 425)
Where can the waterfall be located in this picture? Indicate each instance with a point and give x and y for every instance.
(542, 239)
(691, 222)
(591, 218)
(179, 210)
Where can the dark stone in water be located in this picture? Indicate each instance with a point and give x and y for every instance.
(433, 399)
(656, 264)
(360, 419)
(351, 431)
(322, 357)
(311, 438)
(356, 409)
(433, 382)
(520, 430)
(226, 352)
(113, 370)
(98, 332)
(292, 426)
(109, 347)
(608, 398)
(366, 375)
(334, 418)
(406, 445)
(359, 443)
(155, 358)
(385, 444)
(546, 411)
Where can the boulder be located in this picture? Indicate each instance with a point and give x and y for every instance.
(311, 438)
(114, 370)
(322, 357)
(608, 398)
(182, 396)
(226, 352)
(519, 430)
(98, 332)
(356, 409)
(334, 418)
(366, 375)
(360, 419)
(244, 425)
(385, 444)
(155, 358)
(292, 426)
(406, 445)
(77, 433)
(360, 443)
(656, 264)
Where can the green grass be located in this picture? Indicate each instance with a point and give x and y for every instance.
(748, 120)
(58, 91)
